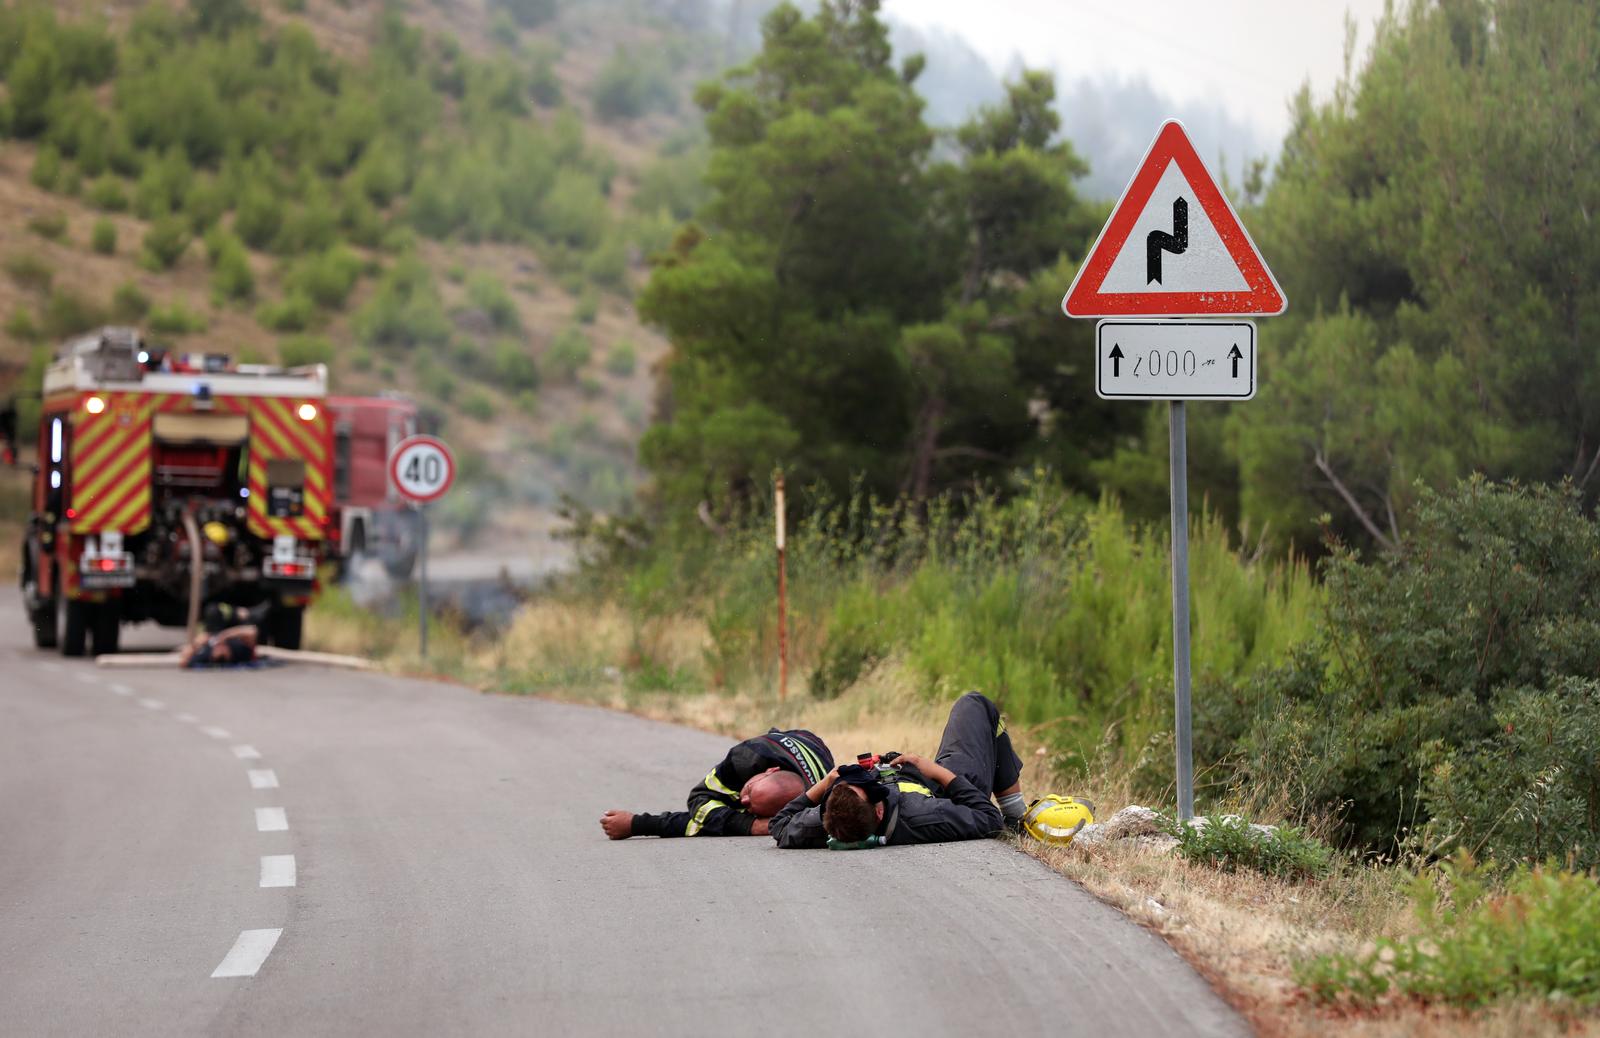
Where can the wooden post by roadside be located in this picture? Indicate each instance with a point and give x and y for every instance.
(783, 595)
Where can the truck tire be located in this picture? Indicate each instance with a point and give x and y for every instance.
(75, 634)
(106, 631)
(41, 607)
(285, 624)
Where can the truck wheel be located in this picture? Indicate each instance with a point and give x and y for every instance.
(285, 624)
(75, 637)
(41, 606)
(107, 628)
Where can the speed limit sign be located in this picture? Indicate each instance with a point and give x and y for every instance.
(421, 468)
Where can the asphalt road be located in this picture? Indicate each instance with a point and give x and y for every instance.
(449, 877)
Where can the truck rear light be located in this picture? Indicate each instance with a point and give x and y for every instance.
(302, 568)
(307, 412)
(95, 404)
(72, 513)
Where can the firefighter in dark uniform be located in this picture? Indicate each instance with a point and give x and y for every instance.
(903, 798)
(740, 794)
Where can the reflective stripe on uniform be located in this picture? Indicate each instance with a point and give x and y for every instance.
(716, 785)
(699, 819)
(907, 786)
(811, 758)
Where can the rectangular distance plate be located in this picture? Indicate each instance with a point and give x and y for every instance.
(1175, 360)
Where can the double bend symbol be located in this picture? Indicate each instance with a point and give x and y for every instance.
(1160, 241)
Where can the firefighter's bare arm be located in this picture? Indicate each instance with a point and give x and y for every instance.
(931, 771)
(819, 791)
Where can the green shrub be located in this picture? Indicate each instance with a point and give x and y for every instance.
(478, 404)
(297, 350)
(361, 359)
(103, 237)
(528, 403)
(326, 278)
(1452, 689)
(46, 171)
(622, 360)
(108, 193)
(163, 185)
(567, 355)
(129, 304)
(607, 265)
(205, 203)
(258, 216)
(231, 275)
(49, 226)
(21, 325)
(437, 384)
(591, 387)
(29, 271)
(630, 85)
(310, 227)
(1229, 843)
(588, 307)
(67, 313)
(405, 311)
(175, 319)
(574, 213)
(1538, 938)
(165, 243)
(486, 293)
(514, 368)
(292, 313)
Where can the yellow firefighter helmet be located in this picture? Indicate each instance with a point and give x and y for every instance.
(216, 533)
(1056, 819)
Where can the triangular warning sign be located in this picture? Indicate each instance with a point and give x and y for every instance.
(1173, 247)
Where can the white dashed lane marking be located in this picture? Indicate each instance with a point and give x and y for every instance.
(218, 733)
(264, 778)
(87, 678)
(122, 690)
(271, 820)
(246, 753)
(187, 718)
(277, 870)
(248, 953)
(152, 704)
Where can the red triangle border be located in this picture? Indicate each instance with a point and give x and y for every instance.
(1084, 298)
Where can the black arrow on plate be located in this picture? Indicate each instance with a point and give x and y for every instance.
(1116, 360)
(1234, 355)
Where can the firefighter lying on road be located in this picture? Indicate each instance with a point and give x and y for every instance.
(906, 798)
(228, 646)
(739, 795)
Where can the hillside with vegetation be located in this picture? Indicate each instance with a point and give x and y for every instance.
(453, 200)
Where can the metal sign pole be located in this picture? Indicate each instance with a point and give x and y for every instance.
(1178, 444)
(422, 579)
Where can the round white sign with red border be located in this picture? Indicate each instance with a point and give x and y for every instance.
(422, 468)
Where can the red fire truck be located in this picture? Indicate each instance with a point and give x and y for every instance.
(166, 483)
(370, 518)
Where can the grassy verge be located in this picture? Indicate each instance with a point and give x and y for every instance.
(1294, 954)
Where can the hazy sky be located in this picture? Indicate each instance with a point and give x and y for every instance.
(1248, 55)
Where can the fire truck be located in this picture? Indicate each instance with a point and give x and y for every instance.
(370, 518)
(166, 483)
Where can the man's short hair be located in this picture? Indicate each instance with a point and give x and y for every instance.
(847, 815)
